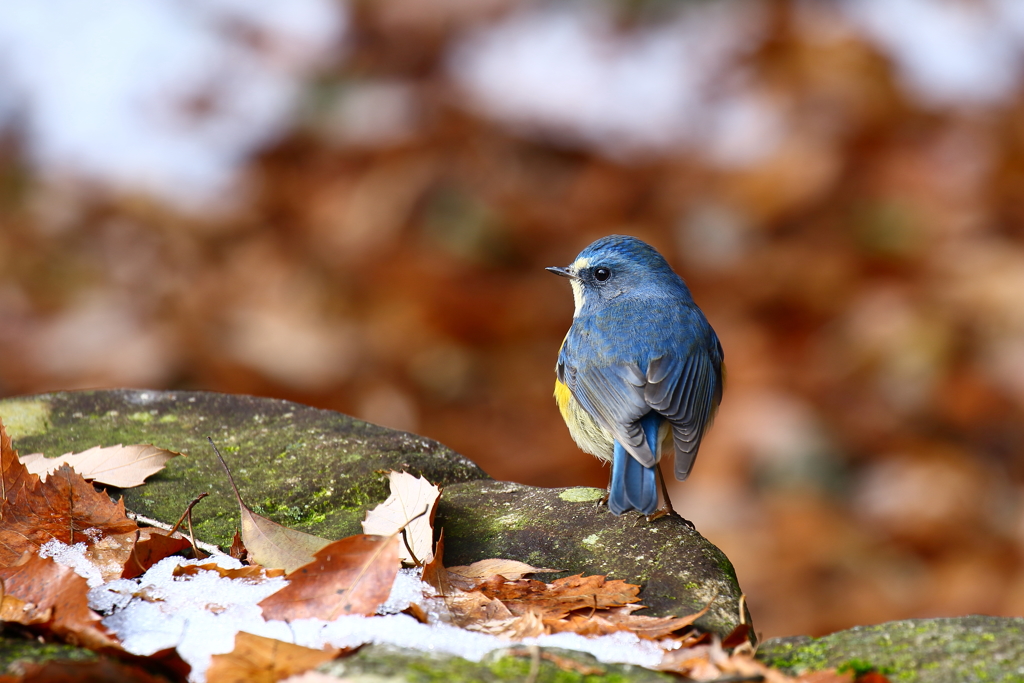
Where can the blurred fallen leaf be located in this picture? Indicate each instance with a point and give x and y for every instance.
(409, 510)
(557, 599)
(465, 577)
(100, 670)
(54, 587)
(120, 466)
(252, 571)
(256, 659)
(350, 576)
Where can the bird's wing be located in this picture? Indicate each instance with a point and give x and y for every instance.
(614, 396)
(685, 390)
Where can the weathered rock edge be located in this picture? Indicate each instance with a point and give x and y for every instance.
(944, 650)
(319, 471)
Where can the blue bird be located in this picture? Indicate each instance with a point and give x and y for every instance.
(639, 368)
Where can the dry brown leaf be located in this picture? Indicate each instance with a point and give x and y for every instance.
(473, 610)
(17, 611)
(350, 576)
(110, 553)
(47, 585)
(237, 549)
(252, 571)
(410, 507)
(557, 599)
(273, 545)
(151, 546)
(468, 576)
(434, 574)
(120, 466)
(269, 543)
(13, 475)
(62, 508)
(101, 670)
(256, 659)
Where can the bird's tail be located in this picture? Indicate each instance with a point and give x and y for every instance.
(635, 487)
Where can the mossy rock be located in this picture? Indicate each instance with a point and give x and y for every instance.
(315, 470)
(385, 664)
(15, 652)
(680, 570)
(947, 650)
(320, 471)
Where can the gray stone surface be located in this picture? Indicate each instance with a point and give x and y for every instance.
(679, 569)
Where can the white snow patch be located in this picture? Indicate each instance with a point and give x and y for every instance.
(200, 616)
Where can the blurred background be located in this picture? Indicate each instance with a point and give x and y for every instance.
(350, 204)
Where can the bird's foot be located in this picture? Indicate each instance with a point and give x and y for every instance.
(604, 499)
(659, 513)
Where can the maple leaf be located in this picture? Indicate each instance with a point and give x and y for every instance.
(62, 508)
(350, 576)
(120, 466)
(409, 510)
(256, 659)
(46, 585)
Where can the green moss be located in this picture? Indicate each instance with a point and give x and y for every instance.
(25, 417)
(14, 650)
(581, 494)
(142, 417)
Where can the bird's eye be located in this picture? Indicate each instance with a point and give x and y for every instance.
(602, 274)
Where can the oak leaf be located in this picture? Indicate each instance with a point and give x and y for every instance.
(350, 576)
(120, 466)
(409, 510)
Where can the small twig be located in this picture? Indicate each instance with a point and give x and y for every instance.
(405, 537)
(188, 512)
(157, 524)
(534, 664)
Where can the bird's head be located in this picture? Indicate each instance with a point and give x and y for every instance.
(619, 265)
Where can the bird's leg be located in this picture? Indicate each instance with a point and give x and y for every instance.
(607, 493)
(666, 508)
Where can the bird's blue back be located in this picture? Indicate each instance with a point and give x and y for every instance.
(643, 314)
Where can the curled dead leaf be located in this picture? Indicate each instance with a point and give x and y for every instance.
(120, 466)
(409, 511)
(350, 576)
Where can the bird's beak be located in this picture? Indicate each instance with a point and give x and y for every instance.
(564, 272)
